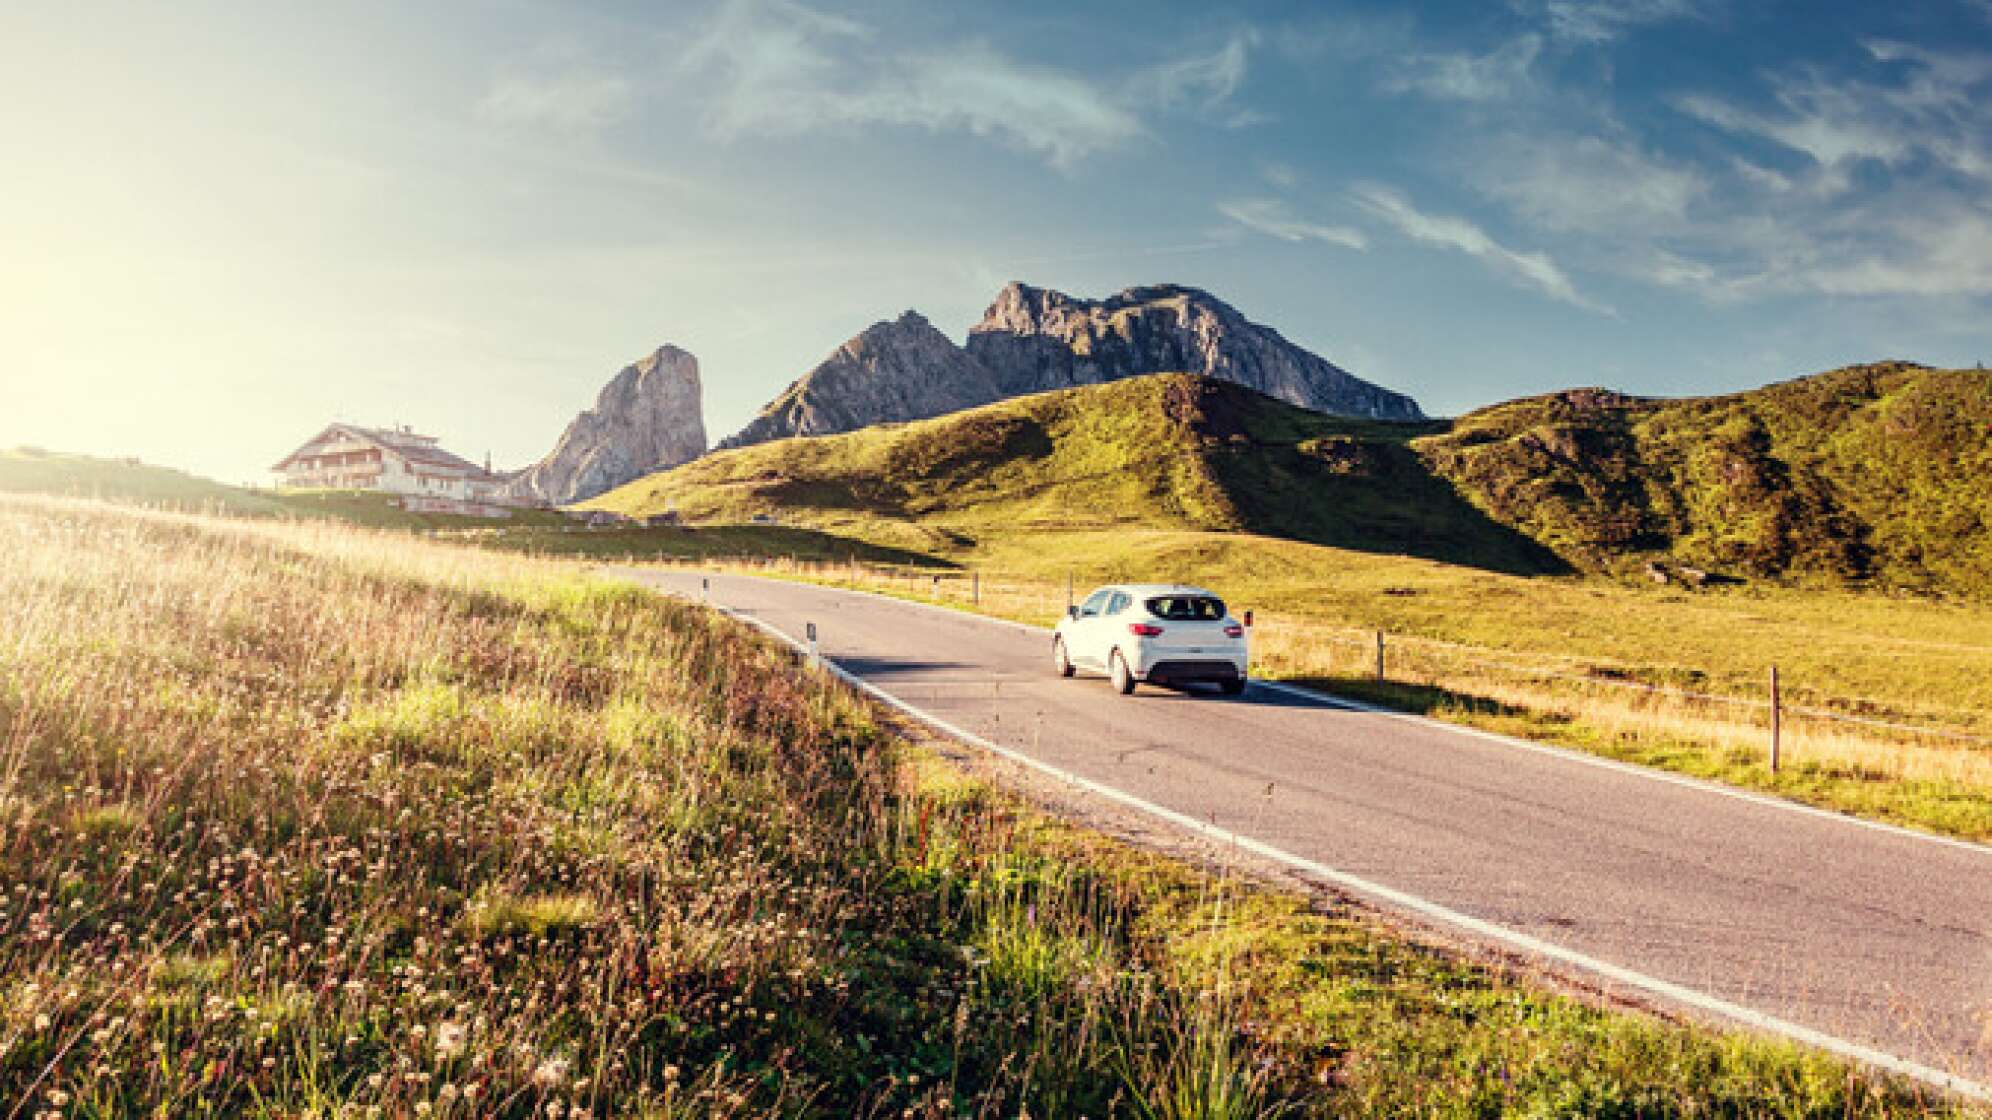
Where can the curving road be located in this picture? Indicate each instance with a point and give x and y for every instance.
(1869, 936)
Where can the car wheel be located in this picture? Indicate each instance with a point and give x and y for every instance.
(1061, 659)
(1123, 677)
(1233, 687)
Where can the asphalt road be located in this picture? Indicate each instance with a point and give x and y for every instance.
(1869, 935)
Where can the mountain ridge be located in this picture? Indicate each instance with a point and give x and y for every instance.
(1032, 339)
(1040, 338)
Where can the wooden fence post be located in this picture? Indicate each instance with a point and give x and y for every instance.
(1379, 657)
(1777, 720)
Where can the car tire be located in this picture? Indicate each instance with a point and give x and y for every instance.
(1061, 659)
(1233, 687)
(1123, 677)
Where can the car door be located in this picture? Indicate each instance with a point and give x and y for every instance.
(1111, 625)
(1089, 629)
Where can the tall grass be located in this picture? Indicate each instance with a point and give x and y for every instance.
(306, 821)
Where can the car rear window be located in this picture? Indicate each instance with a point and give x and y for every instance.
(1186, 608)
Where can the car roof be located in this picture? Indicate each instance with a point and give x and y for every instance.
(1143, 590)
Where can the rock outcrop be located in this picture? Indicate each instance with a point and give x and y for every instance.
(1034, 339)
(648, 417)
(903, 369)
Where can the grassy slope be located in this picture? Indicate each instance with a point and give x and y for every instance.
(30, 470)
(298, 819)
(1878, 474)
(1164, 452)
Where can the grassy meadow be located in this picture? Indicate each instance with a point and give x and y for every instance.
(1551, 658)
(307, 820)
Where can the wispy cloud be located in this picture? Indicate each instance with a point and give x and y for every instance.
(1936, 106)
(1496, 75)
(1580, 183)
(1207, 82)
(1530, 269)
(1936, 246)
(1283, 175)
(573, 101)
(1822, 122)
(1944, 252)
(1272, 218)
(1873, 185)
(1600, 21)
(782, 68)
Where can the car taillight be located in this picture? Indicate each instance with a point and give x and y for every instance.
(1144, 630)
(1233, 630)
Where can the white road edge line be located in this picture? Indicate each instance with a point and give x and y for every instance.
(1565, 753)
(1391, 896)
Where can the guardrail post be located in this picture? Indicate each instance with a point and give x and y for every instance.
(1379, 657)
(1777, 720)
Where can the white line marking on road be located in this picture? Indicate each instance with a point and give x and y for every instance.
(1632, 768)
(1528, 943)
(1566, 753)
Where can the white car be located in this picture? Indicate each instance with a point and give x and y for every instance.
(1163, 633)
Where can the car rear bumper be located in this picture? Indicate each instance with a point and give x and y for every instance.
(1187, 670)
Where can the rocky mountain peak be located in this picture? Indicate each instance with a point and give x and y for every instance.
(894, 370)
(647, 418)
(1034, 339)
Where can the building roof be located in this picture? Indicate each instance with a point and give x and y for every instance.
(418, 449)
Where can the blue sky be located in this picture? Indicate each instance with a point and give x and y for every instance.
(226, 224)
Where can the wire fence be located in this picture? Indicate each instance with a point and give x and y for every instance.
(1400, 659)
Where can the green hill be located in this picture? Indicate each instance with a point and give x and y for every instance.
(125, 481)
(1877, 474)
(1172, 451)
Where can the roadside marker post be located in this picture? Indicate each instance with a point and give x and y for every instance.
(1379, 657)
(705, 588)
(1777, 720)
(814, 658)
(975, 587)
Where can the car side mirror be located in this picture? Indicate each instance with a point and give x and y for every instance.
(1072, 612)
(1248, 618)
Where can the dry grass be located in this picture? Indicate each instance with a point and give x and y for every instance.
(302, 821)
